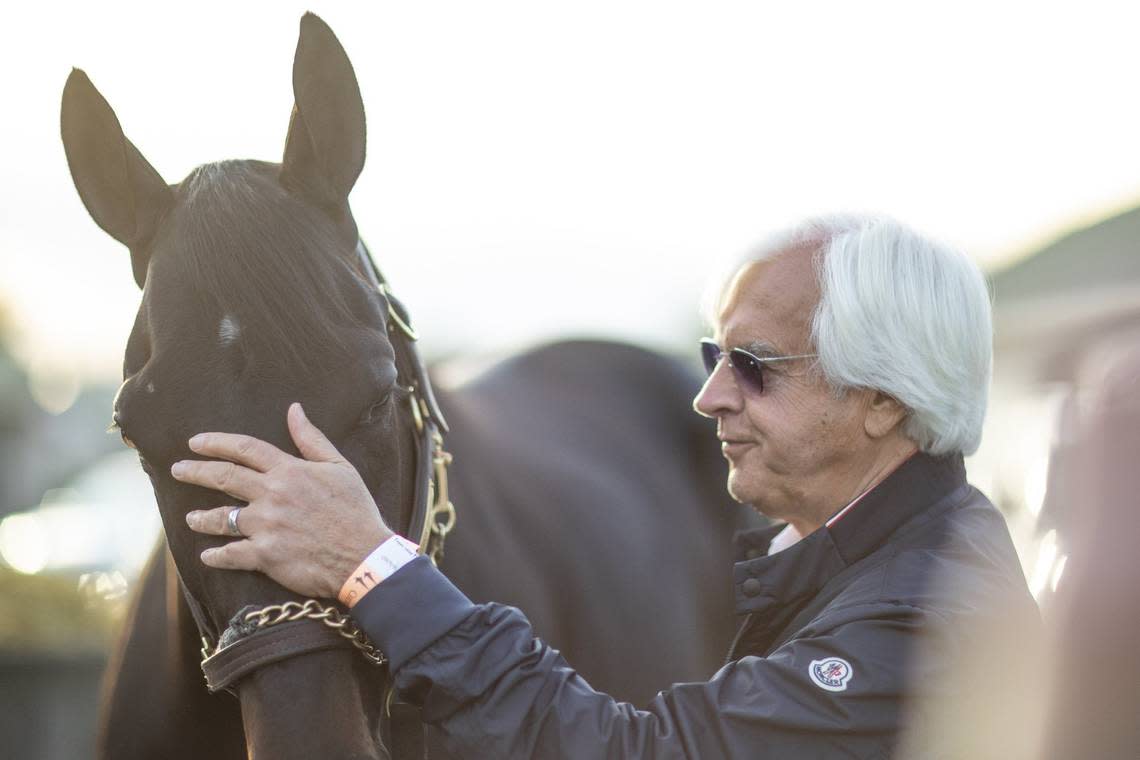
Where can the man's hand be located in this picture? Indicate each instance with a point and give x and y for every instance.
(309, 522)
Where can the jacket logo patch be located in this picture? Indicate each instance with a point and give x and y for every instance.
(831, 674)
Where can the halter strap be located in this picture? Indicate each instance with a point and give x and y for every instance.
(432, 460)
(230, 664)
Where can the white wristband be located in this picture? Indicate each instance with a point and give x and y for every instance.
(384, 560)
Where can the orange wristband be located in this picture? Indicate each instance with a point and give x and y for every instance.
(384, 560)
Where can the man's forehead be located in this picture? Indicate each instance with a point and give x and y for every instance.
(769, 304)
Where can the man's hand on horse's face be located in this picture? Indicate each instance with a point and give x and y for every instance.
(281, 537)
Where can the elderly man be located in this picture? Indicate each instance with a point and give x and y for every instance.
(848, 376)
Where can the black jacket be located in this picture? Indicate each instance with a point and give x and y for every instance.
(845, 635)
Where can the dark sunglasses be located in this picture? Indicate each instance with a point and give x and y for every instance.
(748, 368)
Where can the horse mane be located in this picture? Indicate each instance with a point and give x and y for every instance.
(267, 261)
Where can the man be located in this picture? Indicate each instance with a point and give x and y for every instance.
(848, 376)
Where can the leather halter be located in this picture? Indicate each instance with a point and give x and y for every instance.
(245, 645)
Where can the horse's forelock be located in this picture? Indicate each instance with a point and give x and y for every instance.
(263, 259)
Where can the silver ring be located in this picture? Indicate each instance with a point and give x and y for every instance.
(231, 522)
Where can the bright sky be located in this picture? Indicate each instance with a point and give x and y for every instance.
(537, 169)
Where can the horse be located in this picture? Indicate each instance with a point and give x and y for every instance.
(588, 494)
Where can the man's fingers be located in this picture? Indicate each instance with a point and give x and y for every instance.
(227, 477)
(212, 522)
(310, 441)
(236, 555)
(216, 522)
(243, 449)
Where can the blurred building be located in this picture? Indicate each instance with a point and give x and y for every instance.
(50, 430)
(1052, 307)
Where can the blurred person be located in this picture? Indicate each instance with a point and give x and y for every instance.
(1096, 611)
(848, 376)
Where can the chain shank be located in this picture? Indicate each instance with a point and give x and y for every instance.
(311, 609)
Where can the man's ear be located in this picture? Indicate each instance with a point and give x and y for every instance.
(884, 414)
(121, 190)
(324, 150)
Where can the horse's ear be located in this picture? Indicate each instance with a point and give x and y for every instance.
(324, 151)
(122, 192)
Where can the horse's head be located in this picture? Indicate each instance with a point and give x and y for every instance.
(254, 296)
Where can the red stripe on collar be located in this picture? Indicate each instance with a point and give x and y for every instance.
(835, 518)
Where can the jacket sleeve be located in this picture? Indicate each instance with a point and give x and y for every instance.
(495, 690)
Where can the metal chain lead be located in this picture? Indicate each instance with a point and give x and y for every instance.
(311, 609)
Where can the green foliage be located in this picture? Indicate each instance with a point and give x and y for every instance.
(49, 613)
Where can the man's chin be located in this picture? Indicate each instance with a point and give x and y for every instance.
(746, 493)
(738, 489)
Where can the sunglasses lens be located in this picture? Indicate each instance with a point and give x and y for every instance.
(710, 355)
(750, 371)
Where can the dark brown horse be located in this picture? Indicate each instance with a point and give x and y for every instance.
(588, 494)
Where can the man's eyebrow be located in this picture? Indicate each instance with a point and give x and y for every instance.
(761, 349)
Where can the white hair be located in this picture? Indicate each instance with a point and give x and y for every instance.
(904, 315)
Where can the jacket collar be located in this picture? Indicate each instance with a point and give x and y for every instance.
(778, 584)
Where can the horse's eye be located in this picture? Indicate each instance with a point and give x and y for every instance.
(115, 427)
(375, 412)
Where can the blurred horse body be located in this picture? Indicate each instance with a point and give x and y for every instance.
(588, 492)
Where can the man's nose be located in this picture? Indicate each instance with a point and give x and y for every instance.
(720, 394)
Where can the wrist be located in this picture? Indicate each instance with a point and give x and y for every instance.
(392, 553)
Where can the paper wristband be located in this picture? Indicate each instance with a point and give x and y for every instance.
(384, 560)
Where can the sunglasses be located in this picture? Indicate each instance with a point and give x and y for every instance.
(748, 368)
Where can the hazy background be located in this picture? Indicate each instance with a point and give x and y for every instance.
(541, 168)
(549, 169)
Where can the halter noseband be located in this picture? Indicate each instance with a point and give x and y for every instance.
(258, 636)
